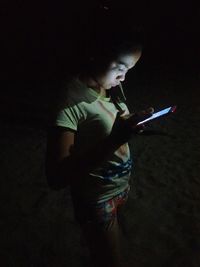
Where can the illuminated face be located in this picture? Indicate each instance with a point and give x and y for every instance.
(117, 70)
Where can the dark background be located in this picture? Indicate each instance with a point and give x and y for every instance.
(162, 222)
(39, 41)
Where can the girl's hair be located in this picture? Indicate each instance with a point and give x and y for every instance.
(105, 36)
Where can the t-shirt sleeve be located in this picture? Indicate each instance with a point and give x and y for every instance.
(68, 117)
(69, 109)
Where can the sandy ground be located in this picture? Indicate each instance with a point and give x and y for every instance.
(161, 221)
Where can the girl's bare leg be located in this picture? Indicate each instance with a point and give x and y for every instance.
(104, 243)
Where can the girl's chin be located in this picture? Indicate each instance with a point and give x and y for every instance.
(115, 84)
(110, 86)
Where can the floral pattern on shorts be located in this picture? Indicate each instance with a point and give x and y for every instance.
(107, 210)
(101, 213)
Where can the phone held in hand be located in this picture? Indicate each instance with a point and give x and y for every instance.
(158, 114)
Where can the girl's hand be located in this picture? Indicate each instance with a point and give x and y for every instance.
(126, 125)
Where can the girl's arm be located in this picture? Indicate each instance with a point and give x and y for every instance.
(63, 167)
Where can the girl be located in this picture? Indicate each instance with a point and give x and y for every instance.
(87, 146)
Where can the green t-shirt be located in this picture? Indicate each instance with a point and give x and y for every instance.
(91, 116)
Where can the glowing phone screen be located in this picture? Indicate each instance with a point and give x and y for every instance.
(156, 115)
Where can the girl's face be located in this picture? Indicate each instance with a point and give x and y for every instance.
(117, 70)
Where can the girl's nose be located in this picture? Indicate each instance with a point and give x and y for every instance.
(121, 78)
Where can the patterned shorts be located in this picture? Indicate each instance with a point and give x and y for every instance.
(101, 213)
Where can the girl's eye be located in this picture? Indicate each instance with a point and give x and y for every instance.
(121, 68)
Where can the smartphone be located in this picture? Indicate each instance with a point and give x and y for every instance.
(158, 114)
